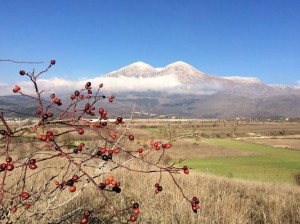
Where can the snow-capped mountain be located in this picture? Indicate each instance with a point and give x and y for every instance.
(184, 91)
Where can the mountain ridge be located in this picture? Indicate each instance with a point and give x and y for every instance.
(184, 91)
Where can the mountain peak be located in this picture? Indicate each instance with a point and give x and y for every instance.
(180, 64)
(140, 64)
(135, 69)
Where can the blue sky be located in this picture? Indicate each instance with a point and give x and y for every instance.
(256, 38)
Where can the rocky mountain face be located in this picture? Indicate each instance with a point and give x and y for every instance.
(180, 90)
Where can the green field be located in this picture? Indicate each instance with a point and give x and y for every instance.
(266, 164)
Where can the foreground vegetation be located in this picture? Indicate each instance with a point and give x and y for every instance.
(222, 201)
(271, 198)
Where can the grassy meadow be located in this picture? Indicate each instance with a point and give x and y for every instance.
(265, 163)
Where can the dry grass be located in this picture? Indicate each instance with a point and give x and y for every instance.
(222, 201)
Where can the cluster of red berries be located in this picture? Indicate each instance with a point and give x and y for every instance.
(101, 124)
(8, 165)
(157, 146)
(158, 188)
(111, 99)
(110, 181)
(45, 116)
(103, 113)
(106, 154)
(77, 95)
(85, 217)
(56, 100)
(16, 89)
(119, 120)
(88, 109)
(185, 169)
(49, 135)
(32, 164)
(79, 148)
(195, 204)
(14, 209)
(136, 211)
(70, 183)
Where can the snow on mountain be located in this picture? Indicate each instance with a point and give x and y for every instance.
(245, 80)
(184, 72)
(189, 78)
(134, 70)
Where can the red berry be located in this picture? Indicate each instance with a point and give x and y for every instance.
(87, 213)
(75, 178)
(3, 166)
(49, 133)
(27, 206)
(102, 150)
(140, 150)
(101, 110)
(43, 137)
(131, 137)
(168, 145)
(185, 168)
(186, 171)
(81, 96)
(116, 151)
(132, 218)
(8, 159)
(80, 131)
(52, 95)
(32, 166)
(14, 209)
(84, 220)
(25, 195)
(22, 72)
(136, 211)
(73, 188)
(56, 183)
(56, 100)
(113, 136)
(38, 112)
(10, 167)
(100, 85)
(72, 97)
(52, 62)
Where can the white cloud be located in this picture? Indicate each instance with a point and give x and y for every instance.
(167, 83)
